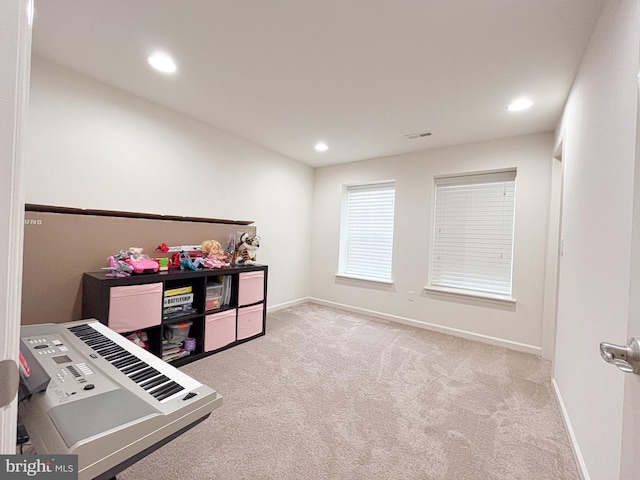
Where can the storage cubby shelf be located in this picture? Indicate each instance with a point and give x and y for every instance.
(129, 304)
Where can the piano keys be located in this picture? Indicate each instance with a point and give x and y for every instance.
(109, 401)
(148, 378)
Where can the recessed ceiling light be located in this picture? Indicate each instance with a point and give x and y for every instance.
(519, 105)
(162, 62)
(321, 146)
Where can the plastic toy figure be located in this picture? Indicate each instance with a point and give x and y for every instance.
(231, 248)
(185, 262)
(118, 268)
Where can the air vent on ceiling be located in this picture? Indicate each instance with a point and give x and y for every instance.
(412, 136)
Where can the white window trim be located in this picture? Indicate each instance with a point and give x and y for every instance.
(365, 279)
(487, 297)
(481, 296)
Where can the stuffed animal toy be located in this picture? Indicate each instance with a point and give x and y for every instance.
(247, 250)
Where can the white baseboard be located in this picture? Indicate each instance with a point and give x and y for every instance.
(582, 467)
(280, 306)
(520, 347)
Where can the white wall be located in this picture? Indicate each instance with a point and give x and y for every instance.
(598, 129)
(414, 175)
(93, 146)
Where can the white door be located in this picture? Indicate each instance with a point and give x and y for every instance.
(630, 461)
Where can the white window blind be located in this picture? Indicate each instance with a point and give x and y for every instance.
(367, 231)
(473, 232)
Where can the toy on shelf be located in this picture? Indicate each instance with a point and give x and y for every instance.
(231, 247)
(247, 249)
(163, 263)
(215, 258)
(164, 248)
(140, 262)
(192, 251)
(186, 262)
(119, 268)
(139, 338)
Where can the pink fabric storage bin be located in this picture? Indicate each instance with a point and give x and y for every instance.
(250, 321)
(251, 288)
(135, 307)
(220, 330)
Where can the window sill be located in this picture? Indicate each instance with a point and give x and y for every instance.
(365, 279)
(480, 296)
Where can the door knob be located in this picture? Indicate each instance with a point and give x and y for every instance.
(626, 358)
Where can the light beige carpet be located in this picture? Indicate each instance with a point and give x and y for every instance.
(328, 394)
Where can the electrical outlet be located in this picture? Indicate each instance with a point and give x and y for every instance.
(410, 296)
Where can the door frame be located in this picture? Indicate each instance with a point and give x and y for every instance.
(15, 57)
(553, 255)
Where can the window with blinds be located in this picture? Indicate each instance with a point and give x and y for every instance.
(473, 233)
(367, 231)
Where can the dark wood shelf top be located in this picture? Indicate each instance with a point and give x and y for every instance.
(173, 274)
(31, 207)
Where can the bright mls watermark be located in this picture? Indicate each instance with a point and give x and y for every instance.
(50, 467)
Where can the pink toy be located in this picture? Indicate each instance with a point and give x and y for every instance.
(214, 256)
(140, 339)
(140, 262)
(118, 268)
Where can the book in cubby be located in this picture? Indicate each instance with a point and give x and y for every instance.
(178, 302)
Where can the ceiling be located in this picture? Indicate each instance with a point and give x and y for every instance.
(356, 74)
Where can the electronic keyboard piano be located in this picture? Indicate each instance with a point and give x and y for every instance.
(108, 401)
